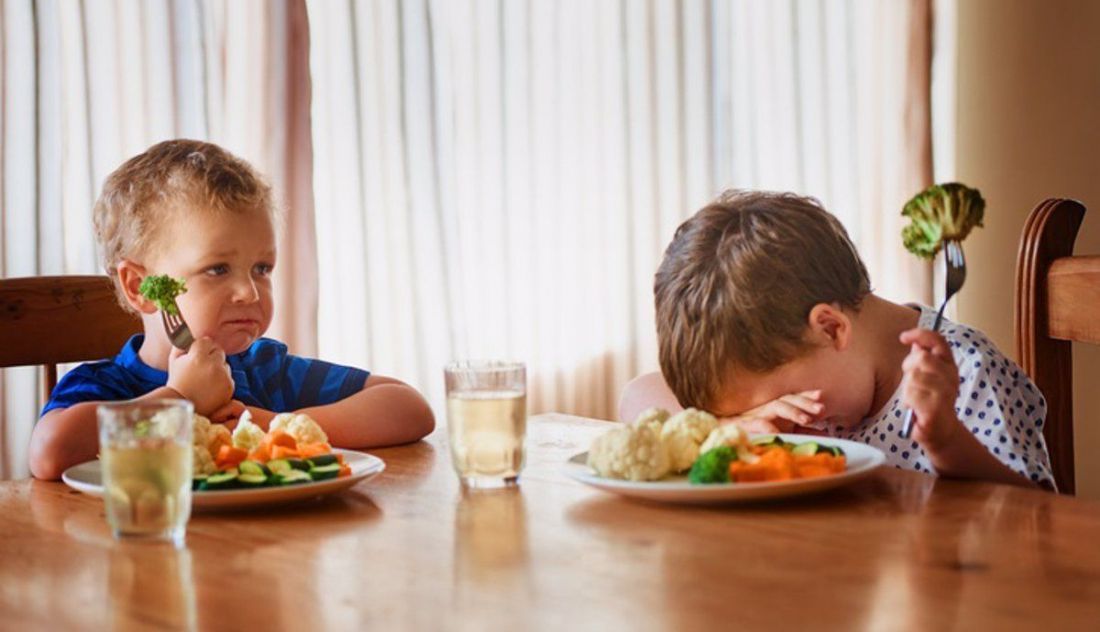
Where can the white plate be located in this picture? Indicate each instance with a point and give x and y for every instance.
(862, 460)
(88, 478)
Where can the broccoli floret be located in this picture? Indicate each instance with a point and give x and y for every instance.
(713, 466)
(942, 211)
(163, 290)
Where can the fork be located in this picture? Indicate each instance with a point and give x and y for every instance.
(956, 276)
(179, 334)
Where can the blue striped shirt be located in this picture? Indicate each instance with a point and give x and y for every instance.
(264, 375)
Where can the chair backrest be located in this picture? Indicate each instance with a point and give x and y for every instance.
(1057, 303)
(48, 320)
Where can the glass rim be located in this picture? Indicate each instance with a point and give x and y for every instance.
(483, 366)
(160, 402)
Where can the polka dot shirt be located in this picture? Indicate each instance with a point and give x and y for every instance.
(997, 402)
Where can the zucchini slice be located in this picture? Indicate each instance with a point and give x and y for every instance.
(252, 480)
(322, 459)
(254, 468)
(299, 464)
(324, 472)
(293, 477)
(279, 466)
(805, 449)
(221, 480)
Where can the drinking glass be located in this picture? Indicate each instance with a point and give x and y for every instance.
(486, 421)
(145, 452)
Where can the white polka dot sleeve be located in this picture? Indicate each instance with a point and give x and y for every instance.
(999, 404)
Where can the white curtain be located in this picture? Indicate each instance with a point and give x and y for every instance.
(499, 179)
(89, 84)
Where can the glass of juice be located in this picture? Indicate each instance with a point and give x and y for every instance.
(145, 454)
(486, 421)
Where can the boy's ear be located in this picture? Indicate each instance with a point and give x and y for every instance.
(130, 275)
(830, 326)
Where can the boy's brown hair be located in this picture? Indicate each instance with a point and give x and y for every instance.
(737, 284)
(170, 176)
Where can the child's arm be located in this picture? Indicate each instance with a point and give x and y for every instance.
(385, 412)
(931, 388)
(65, 437)
(784, 414)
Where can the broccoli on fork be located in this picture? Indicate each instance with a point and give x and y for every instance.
(163, 290)
(939, 213)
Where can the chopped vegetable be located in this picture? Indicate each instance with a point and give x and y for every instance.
(941, 212)
(163, 290)
(713, 466)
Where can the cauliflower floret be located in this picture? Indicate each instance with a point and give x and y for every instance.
(202, 464)
(205, 440)
(733, 436)
(683, 433)
(301, 427)
(247, 436)
(654, 417)
(633, 452)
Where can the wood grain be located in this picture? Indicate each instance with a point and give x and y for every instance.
(409, 550)
(53, 319)
(1052, 308)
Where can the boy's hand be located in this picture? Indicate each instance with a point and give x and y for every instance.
(931, 387)
(780, 415)
(229, 414)
(201, 375)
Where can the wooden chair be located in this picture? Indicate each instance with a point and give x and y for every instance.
(53, 319)
(1057, 301)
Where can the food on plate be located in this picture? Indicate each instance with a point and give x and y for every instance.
(301, 427)
(655, 445)
(633, 452)
(163, 290)
(938, 213)
(247, 435)
(713, 466)
(296, 451)
(682, 435)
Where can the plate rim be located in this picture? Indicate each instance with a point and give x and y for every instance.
(369, 467)
(679, 490)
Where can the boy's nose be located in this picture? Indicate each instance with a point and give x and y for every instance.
(246, 292)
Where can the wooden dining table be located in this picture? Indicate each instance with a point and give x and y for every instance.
(410, 550)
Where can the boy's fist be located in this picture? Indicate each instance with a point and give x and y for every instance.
(201, 375)
(931, 387)
(780, 415)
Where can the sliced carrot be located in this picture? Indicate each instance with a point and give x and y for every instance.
(228, 456)
(281, 452)
(281, 438)
(308, 450)
(262, 453)
(345, 470)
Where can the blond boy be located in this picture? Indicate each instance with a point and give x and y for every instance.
(191, 210)
(765, 317)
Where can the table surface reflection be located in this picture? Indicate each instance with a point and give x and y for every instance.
(410, 550)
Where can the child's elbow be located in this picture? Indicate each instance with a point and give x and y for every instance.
(421, 420)
(43, 458)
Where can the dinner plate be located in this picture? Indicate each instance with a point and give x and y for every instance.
(862, 460)
(87, 477)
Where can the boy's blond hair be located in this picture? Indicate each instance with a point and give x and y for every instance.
(737, 284)
(172, 176)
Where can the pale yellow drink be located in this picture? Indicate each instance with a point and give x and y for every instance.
(486, 433)
(146, 459)
(147, 487)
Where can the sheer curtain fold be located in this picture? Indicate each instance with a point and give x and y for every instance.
(86, 85)
(501, 179)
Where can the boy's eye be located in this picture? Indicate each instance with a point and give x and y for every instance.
(263, 269)
(217, 270)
